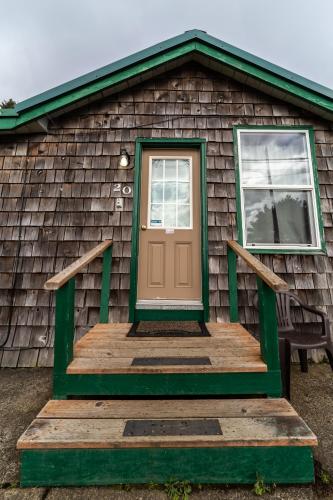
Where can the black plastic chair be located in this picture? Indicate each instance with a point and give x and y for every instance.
(298, 339)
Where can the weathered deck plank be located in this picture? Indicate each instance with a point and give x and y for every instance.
(107, 349)
(269, 429)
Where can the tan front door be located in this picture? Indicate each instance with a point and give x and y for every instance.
(170, 233)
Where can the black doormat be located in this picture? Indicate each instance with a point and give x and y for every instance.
(168, 329)
(170, 361)
(193, 427)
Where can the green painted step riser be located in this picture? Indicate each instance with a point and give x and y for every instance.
(168, 384)
(159, 465)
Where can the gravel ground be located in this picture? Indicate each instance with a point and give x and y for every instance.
(24, 391)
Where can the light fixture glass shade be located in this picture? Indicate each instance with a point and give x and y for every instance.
(124, 159)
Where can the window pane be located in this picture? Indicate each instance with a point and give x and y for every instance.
(170, 192)
(184, 216)
(157, 192)
(274, 158)
(279, 217)
(170, 170)
(170, 216)
(156, 215)
(183, 192)
(157, 170)
(184, 170)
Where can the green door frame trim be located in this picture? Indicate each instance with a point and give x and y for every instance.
(300, 251)
(155, 315)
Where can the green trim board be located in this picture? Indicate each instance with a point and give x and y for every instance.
(134, 314)
(171, 384)
(191, 44)
(240, 229)
(230, 465)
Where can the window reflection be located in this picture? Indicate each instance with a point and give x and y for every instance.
(274, 158)
(284, 217)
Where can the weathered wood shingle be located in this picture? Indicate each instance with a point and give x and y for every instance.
(56, 201)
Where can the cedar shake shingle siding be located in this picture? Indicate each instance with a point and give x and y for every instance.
(57, 203)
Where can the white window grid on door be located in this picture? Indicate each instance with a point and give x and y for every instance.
(310, 187)
(190, 204)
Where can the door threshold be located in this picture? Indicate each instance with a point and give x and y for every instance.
(167, 304)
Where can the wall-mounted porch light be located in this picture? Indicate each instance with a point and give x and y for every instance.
(124, 159)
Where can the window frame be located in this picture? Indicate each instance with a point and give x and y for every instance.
(320, 247)
(166, 157)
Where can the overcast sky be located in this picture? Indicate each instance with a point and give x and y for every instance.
(44, 43)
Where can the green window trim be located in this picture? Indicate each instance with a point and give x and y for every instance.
(320, 249)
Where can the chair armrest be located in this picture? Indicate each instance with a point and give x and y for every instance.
(313, 310)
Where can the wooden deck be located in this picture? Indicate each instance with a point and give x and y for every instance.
(106, 349)
(101, 424)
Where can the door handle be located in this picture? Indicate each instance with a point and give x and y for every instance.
(143, 227)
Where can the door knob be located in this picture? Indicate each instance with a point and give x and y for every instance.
(143, 227)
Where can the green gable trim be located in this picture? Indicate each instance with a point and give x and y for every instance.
(316, 97)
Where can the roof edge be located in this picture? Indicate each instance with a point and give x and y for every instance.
(321, 96)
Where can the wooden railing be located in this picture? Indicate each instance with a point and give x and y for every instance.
(64, 285)
(268, 284)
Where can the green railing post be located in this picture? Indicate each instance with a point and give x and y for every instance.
(232, 281)
(105, 288)
(64, 334)
(269, 341)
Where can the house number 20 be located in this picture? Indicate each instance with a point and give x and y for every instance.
(124, 190)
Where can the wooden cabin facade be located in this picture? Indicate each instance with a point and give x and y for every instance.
(222, 146)
(60, 185)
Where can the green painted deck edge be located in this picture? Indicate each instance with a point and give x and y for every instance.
(234, 465)
(156, 315)
(320, 97)
(171, 384)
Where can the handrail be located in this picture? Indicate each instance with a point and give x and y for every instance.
(267, 275)
(268, 284)
(66, 274)
(64, 285)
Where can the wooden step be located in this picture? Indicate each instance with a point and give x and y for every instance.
(106, 349)
(101, 424)
(91, 442)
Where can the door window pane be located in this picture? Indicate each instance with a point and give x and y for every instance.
(184, 170)
(170, 170)
(157, 170)
(170, 215)
(156, 215)
(183, 215)
(157, 192)
(184, 192)
(278, 217)
(170, 193)
(275, 158)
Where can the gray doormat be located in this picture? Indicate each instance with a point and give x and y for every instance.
(170, 361)
(195, 427)
(168, 329)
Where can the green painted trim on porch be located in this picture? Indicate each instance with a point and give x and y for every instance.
(171, 384)
(64, 326)
(275, 251)
(232, 284)
(317, 96)
(269, 343)
(105, 287)
(135, 315)
(229, 465)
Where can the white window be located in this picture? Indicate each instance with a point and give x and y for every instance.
(277, 190)
(170, 193)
